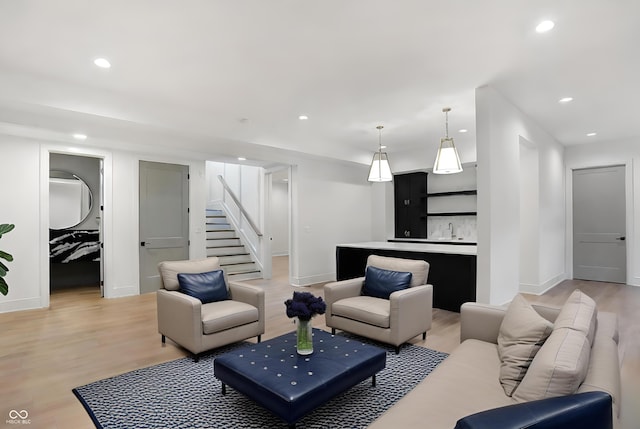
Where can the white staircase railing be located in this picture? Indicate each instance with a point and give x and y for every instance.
(242, 222)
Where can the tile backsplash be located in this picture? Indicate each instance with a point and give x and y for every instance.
(441, 227)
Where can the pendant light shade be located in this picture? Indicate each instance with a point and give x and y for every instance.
(447, 159)
(380, 169)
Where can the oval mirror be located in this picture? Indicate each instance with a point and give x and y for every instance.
(70, 200)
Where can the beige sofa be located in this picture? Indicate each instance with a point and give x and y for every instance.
(468, 380)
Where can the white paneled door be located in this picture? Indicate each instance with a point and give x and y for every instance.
(164, 219)
(599, 237)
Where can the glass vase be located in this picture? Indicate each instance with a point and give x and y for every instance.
(304, 337)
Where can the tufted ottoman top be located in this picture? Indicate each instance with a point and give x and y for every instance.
(289, 385)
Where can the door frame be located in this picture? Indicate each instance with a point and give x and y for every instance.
(107, 227)
(627, 163)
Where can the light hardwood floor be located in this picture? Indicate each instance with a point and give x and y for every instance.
(82, 338)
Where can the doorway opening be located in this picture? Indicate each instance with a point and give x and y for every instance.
(75, 223)
(279, 207)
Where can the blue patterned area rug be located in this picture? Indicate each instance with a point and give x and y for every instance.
(185, 394)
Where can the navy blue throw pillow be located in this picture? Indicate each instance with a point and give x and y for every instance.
(207, 287)
(381, 283)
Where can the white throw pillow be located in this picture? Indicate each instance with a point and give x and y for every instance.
(558, 369)
(579, 313)
(522, 333)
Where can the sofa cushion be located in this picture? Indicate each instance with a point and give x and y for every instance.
(207, 287)
(220, 315)
(522, 332)
(579, 312)
(380, 283)
(366, 309)
(169, 270)
(559, 367)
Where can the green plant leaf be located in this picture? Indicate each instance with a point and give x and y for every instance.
(3, 270)
(6, 227)
(6, 256)
(4, 287)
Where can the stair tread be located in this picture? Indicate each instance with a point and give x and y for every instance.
(236, 263)
(230, 254)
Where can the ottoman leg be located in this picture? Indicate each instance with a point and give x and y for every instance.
(224, 389)
(373, 380)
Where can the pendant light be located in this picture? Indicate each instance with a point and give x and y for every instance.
(380, 169)
(447, 159)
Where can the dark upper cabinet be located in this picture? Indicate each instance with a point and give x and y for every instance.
(410, 201)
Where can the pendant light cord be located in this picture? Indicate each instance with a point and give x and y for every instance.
(446, 111)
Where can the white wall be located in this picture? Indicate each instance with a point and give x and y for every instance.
(332, 205)
(499, 127)
(19, 166)
(625, 152)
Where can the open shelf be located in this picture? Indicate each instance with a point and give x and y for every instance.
(453, 214)
(448, 194)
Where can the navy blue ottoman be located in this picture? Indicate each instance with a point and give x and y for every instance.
(272, 374)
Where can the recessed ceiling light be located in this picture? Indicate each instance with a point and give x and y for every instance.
(242, 158)
(463, 130)
(303, 117)
(545, 26)
(80, 136)
(383, 147)
(565, 99)
(591, 134)
(102, 63)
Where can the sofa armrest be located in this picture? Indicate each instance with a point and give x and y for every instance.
(480, 321)
(335, 291)
(584, 410)
(411, 309)
(180, 318)
(249, 294)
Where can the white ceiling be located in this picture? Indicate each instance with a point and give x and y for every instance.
(225, 76)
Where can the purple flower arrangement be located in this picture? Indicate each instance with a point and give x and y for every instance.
(304, 305)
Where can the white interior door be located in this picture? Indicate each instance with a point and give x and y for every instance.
(164, 219)
(599, 237)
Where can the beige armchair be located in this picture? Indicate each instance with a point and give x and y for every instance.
(199, 327)
(394, 321)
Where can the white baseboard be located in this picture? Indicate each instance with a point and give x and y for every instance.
(20, 304)
(543, 287)
(310, 280)
(120, 292)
